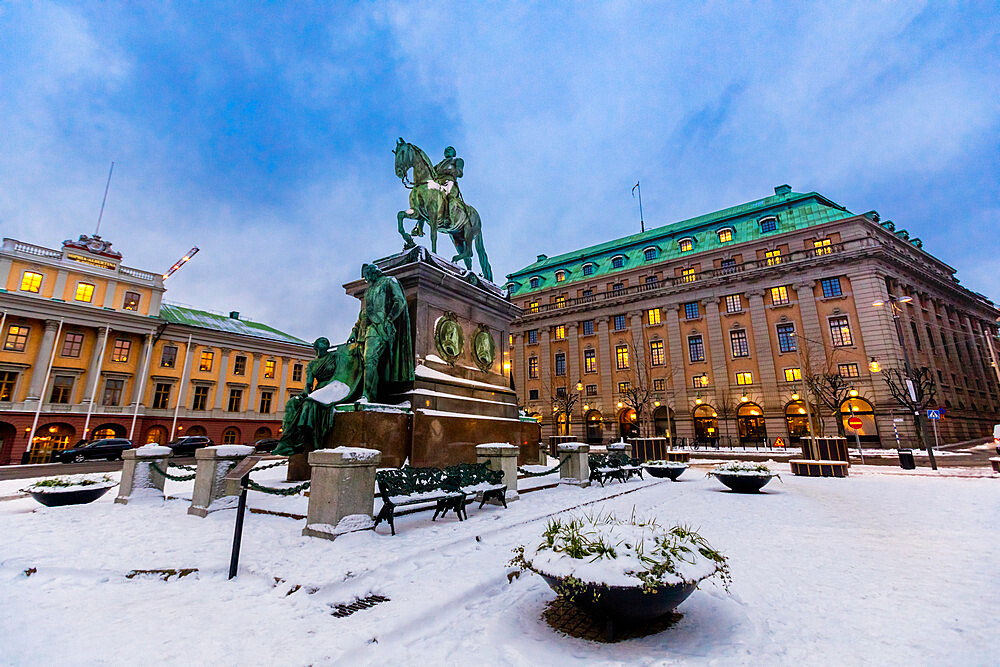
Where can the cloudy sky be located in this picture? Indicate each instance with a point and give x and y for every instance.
(263, 135)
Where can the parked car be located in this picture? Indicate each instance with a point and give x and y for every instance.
(105, 448)
(187, 444)
(265, 444)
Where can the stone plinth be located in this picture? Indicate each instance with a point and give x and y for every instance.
(210, 490)
(342, 492)
(576, 471)
(139, 480)
(619, 448)
(502, 457)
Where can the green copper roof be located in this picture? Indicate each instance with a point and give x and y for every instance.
(199, 318)
(793, 211)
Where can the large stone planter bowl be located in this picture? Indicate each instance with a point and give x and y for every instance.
(663, 472)
(743, 483)
(618, 602)
(81, 496)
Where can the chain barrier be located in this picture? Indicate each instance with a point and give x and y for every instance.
(270, 465)
(290, 491)
(192, 468)
(543, 472)
(176, 478)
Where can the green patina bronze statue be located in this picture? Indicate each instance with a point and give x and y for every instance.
(383, 328)
(435, 198)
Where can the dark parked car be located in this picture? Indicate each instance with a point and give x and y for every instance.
(265, 444)
(185, 445)
(105, 448)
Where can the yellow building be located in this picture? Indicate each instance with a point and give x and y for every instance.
(88, 349)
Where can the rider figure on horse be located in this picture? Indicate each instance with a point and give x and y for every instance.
(446, 175)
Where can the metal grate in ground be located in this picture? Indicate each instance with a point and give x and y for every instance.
(565, 617)
(343, 610)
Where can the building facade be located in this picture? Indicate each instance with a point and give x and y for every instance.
(89, 350)
(719, 318)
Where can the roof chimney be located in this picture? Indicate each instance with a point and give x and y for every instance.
(783, 190)
(542, 258)
(234, 314)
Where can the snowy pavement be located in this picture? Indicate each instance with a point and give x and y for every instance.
(876, 568)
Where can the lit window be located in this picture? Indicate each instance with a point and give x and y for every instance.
(588, 269)
(619, 322)
(739, 343)
(848, 370)
(773, 257)
(659, 384)
(725, 235)
(230, 435)
(17, 338)
(265, 402)
(168, 356)
(239, 365)
(649, 254)
(734, 304)
(31, 282)
(269, 368)
(831, 287)
(653, 316)
(161, 396)
(560, 276)
(793, 374)
(207, 358)
(560, 332)
(560, 363)
(588, 327)
(687, 276)
(533, 307)
(121, 350)
(786, 337)
(656, 356)
(779, 295)
(510, 340)
(532, 336)
(131, 301)
(200, 397)
(840, 332)
(744, 378)
(591, 390)
(685, 245)
(768, 224)
(617, 262)
(72, 345)
(62, 388)
(589, 361)
(8, 379)
(534, 282)
(822, 247)
(235, 400)
(699, 381)
(561, 301)
(533, 367)
(696, 348)
(84, 292)
(691, 311)
(621, 357)
(623, 387)
(297, 373)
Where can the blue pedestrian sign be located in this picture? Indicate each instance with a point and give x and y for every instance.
(934, 414)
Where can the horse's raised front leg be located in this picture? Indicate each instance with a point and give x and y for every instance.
(407, 239)
(434, 237)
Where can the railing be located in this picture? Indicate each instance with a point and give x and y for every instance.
(733, 442)
(138, 273)
(752, 265)
(29, 249)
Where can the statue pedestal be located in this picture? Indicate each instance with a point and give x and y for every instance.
(460, 397)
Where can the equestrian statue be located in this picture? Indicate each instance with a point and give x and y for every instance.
(436, 199)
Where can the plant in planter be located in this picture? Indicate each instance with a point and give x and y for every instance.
(70, 490)
(743, 476)
(669, 469)
(621, 568)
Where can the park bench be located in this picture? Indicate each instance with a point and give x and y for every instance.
(613, 466)
(412, 486)
(477, 478)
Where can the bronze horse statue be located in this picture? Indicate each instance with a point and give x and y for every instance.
(431, 201)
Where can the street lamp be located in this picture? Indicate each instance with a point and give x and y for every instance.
(896, 311)
(809, 418)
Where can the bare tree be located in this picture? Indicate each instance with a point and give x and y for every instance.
(726, 406)
(640, 395)
(923, 395)
(832, 389)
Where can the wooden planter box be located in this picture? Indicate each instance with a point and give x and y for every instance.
(818, 468)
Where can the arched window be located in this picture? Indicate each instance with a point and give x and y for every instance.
(663, 422)
(562, 424)
(108, 431)
(796, 417)
(231, 436)
(628, 423)
(686, 244)
(706, 424)
(156, 435)
(195, 430)
(618, 261)
(595, 427)
(861, 409)
(650, 253)
(750, 422)
(725, 234)
(50, 438)
(261, 433)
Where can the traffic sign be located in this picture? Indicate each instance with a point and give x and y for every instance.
(778, 442)
(855, 423)
(934, 414)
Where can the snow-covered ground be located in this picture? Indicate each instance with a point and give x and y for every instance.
(877, 568)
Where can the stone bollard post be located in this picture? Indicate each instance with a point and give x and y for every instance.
(139, 480)
(210, 492)
(503, 457)
(620, 447)
(576, 471)
(342, 492)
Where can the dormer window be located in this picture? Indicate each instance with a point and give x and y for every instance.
(686, 244)
(535, 282)
(618, 261)
(725, 234)
(588, 269)
(768, 224)
(560, 276)
(649, 254)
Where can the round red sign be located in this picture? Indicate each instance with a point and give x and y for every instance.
(855, 423)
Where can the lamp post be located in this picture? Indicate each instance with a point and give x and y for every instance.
(805, 386)
(583, 412)
(896, 311)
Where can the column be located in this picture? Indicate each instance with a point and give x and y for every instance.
(576, 471)
(574, 369)
(94, 368)
(716, 342)
(762, 339)
(41, 366)
(520, 370)
(678, 379)
(546, 380)
(342, 492)
(140, 368)
(282, 387)
(139, 480)
(60, 287)
(109, 294)
(876, 325)
(638, 341)
(251, 403)
(502, 457)
(605, 362)
(220, 387)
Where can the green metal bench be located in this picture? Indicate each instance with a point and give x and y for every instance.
(604, 467)
(411, 486)
(477, 478)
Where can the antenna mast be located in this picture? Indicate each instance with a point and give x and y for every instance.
(103, 201)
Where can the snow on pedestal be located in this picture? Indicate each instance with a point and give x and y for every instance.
(139, 480)
(501, 456)
(619, 447)
(576, 471)
(340, 495)
(211, 493)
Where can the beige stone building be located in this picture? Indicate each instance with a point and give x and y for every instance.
(719, 317)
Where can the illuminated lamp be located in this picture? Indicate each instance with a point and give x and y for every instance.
(579, 386)
(874, 366)
(656, 404)
(743, 398)
(795, 396)
(715, 414)
(905, 299)
(802, 411)
(853, 392)
(632, 416)
(620, 404)
(879, 303)
(506, 367)
(53, 429)
(586, 407)
(697, 401)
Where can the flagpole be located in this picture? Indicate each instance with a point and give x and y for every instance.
(642, 223)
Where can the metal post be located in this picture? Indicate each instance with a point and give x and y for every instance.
(935, 421)
(97, 378)
(857, 439)
(45, 387)
(142, 386)
(234, 561)
(896, 310)
(181, 391)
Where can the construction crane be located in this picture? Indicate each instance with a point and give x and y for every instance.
(181, 262)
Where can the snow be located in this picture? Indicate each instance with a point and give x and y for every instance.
(428, 392)
(883, 567)
(431, 374)
(501, 445)
(357, 453)
(75, 483)
(665, 464)
(331, 393)
(151, 451)
(571, 446)
(233, 450)
(443, 413)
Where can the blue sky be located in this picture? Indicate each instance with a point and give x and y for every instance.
(263, 135)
